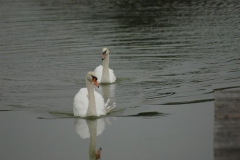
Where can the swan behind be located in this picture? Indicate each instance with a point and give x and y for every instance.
(103, 72)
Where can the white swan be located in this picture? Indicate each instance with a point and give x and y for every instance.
(87, 102)
(103, 72)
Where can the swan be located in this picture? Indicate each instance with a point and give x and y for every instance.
(87, 102)
(90, 128)
(103, 72)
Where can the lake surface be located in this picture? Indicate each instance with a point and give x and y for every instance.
(168, 57)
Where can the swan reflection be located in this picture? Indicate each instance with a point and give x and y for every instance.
(91, 128)
(85, 127)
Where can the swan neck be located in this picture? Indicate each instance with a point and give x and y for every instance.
(91, 97)
(105, 73)
(92, 125)
(106, 61)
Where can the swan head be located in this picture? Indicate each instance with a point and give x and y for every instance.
(92, 77)
(105, 53)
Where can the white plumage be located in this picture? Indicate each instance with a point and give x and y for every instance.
(88, 102)
(81, 102)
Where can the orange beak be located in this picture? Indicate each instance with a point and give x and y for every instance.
(95, 82)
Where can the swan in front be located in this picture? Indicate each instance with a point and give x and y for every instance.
(89, 103)
(103, 72)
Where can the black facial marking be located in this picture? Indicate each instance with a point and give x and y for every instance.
(94, 77)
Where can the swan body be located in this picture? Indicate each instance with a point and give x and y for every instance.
(103, 72)
(81, 103)
(87, 102)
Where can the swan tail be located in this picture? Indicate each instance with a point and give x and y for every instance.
(107, 102)
(109, 108)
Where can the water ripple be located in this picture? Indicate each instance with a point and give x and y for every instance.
(162, 52)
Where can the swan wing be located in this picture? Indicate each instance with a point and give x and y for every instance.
(80, 103)
(100, 105)
(109, 108)
(98, 70)
(112, 76)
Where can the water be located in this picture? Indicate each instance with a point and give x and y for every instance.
(164, 54)
(179, 136)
